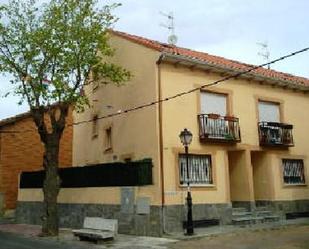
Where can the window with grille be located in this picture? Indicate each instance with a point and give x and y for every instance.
(293, 171)
(200, 169)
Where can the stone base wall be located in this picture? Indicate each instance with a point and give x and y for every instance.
(72, 216)
(174, 215)
(249, 205)
(169, 219)
(284, 207)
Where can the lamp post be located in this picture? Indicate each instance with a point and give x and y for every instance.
(186, 138)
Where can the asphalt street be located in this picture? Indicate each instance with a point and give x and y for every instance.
(12, 241)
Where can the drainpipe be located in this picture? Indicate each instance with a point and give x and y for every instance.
(161, 142)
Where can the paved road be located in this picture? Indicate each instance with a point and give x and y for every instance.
(291, 237)
(12, 241)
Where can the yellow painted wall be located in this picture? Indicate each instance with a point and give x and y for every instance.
(134, 134)
(284, 191)
(263, 176)
(182, 113)
(215, 193)
(240, 171)
(75, 195)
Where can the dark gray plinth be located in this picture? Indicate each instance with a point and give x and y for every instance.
(72, 216)
(174, 215)
(283, 207)
(249, 205)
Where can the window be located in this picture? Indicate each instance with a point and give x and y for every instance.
(95, 126)
(213, 103)
(293, 171)
(200, 169)
(108, 138)
(269, 112)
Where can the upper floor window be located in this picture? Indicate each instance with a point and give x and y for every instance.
(200, 169)
(269, 112)
(108, 138)
(293, 171)
(95, 126)
(213, 103)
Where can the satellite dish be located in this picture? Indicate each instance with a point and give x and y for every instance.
(172, 39)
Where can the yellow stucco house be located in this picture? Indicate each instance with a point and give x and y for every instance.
(250, 143)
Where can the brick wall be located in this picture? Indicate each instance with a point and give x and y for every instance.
(24, 152)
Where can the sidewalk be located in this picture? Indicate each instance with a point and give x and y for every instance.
(141, 242)
(66, 238)
(227, 229)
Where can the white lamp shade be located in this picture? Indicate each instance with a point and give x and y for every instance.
(185, 137)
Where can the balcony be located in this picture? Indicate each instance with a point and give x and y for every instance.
(275, 134)
(216, 128)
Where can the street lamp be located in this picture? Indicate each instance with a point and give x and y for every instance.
(186, 138)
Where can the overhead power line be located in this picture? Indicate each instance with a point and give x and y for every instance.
(252, 68)
(180, 94)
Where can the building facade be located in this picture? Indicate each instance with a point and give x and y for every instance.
(250, 140)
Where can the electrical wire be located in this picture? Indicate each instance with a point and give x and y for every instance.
(250, 69)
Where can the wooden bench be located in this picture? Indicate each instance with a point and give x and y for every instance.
(97, 229)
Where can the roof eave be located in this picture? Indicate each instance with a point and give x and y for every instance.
(204, 65)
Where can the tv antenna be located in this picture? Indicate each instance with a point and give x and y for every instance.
(264, 52)
(170, 25)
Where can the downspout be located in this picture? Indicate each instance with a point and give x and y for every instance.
(161, 141)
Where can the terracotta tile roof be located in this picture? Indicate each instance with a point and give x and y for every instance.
(211, 59)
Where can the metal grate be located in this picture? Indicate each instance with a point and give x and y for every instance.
(200, 170)
(293, 171)
(275, 134)
(214, 127)
(137, 173)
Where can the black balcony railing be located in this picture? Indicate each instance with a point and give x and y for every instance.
(275, 134)
(216, 128)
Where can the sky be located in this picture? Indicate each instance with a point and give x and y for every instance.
(228, 28)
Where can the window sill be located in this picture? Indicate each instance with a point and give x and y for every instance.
(198, 186)
(291, 185)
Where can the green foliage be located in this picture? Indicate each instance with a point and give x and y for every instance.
(51, 49)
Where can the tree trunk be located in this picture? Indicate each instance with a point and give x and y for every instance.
(51, 141)
(51, 186)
